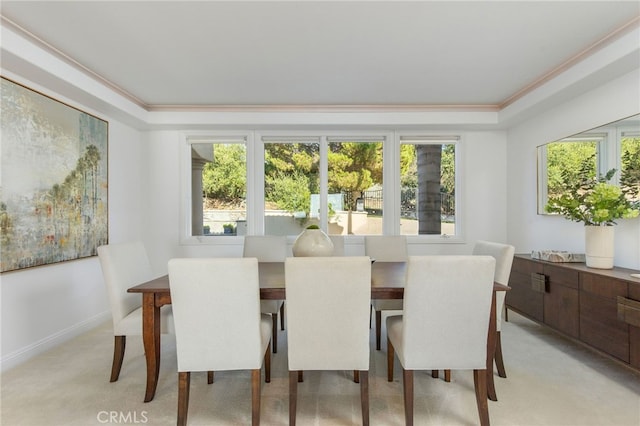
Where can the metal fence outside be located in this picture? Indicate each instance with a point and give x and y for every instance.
(372, 200)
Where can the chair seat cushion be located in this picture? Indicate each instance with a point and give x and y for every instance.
(131, 325)
(270, 306)
(387, 305)
(394, 334)
(434, 359)
(265, 330)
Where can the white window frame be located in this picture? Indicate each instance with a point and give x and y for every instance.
(186, 213)
(603, 153)
(425, 138)
(323, 136)
(255, 179)
(622, 132)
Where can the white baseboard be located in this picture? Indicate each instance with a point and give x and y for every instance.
(21, 355)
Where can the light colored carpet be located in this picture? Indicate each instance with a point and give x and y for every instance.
(551, 381)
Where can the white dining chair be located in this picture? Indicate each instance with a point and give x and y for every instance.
(216, 304)
(268, 248)
(338, 244)
(125, 265)
(385, 248)
(317, 340)
(444, 323)
(503, 254)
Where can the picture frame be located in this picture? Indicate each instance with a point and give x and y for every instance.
(54, 180)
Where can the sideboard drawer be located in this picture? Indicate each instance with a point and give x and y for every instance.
(629, 311)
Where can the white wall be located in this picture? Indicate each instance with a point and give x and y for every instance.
(46, 305)
(525, 228)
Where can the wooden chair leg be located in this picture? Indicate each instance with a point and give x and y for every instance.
(390, 355)
(378, 328)
(293, 396)
(274, 332)
(300, 376)
(407, 380)
(498, 357)
(255, 397)
(119, 344)
(356, 376)
(435, 373)
(364, 397)
(447, 376)
(209, 377)
(184, 382)
(282, 317)
(267, 364)
(480, 383)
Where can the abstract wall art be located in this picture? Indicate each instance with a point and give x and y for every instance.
(53, 180)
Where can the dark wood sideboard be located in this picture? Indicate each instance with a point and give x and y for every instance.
(598, 307)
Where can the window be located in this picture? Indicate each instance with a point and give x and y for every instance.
(334, 182)
(563, 162)
(428, 185)
(218, 185)
(630, 163)
(568, 158)
(355, 183)
(347, 183)
(291, 180)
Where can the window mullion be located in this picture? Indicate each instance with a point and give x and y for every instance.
(324, 183)
(255, 194)
(390, 186)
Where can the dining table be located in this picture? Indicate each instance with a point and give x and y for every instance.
(387, 282)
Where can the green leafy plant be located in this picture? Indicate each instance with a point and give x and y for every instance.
(313, 227)
(592, 201)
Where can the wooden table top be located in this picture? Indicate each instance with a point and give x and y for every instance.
(387, 281)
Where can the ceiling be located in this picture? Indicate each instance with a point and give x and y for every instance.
(331, 53)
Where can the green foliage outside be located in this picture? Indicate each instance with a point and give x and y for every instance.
(567, 162)
(409, 167)
(291, 175)
(226, 178)
(292, 171)
(289, 192)
(630, 179)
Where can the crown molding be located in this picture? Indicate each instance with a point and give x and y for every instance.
(585, 53)
(324, 108)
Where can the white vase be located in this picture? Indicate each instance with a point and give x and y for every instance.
(599, 246)
(312, 242)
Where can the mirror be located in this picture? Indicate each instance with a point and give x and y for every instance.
(613, 146)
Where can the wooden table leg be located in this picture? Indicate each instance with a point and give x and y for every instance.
(491, 349)
(151, 340)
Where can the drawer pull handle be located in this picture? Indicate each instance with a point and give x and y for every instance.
(629, 311)
(538, 282)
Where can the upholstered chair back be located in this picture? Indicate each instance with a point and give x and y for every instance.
(447, 301)
(216, 308)
(266, 248)
(503, 253)
(124, 265)
(386, 248)
(338, 244)
(328, 312)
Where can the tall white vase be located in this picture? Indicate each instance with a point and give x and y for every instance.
(312, 242)
(599, 246)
